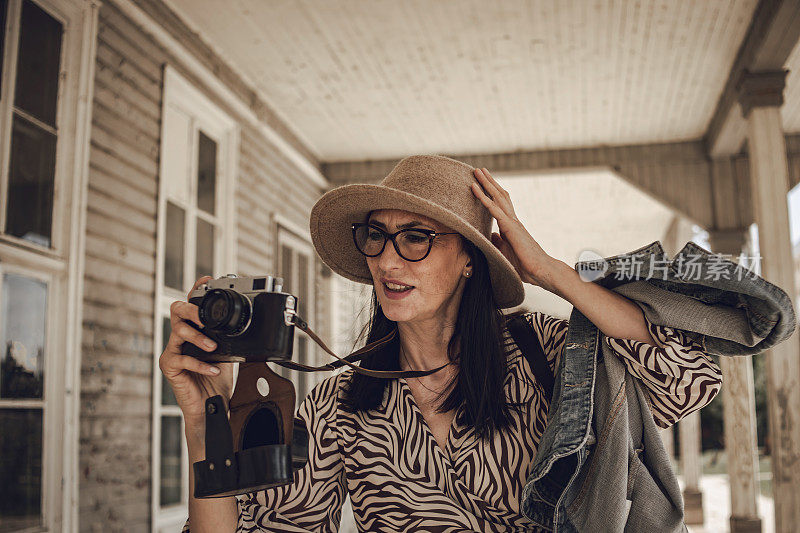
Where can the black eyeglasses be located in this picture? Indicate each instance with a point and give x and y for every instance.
(411, 244)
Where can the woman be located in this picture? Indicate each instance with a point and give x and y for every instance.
(449, 451)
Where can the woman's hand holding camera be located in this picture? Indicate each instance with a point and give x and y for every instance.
(192, 380)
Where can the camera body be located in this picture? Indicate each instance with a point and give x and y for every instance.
(249, 318)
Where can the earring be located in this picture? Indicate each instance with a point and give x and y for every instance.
(468, 274)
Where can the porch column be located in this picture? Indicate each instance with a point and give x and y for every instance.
(739, 407)
(692, 467)
(760, 96)
(689, 426)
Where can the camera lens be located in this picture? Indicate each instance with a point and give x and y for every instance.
(225, 311)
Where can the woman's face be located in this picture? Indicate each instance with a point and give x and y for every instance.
(438, 280)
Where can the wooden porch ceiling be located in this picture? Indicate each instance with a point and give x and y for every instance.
(646, 88)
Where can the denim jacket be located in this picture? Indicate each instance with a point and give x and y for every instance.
(601, 464)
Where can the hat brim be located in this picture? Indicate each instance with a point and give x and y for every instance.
(338, 208)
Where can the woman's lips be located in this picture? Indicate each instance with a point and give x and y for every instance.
(395, 295)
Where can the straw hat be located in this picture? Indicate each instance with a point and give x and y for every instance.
(432, 185)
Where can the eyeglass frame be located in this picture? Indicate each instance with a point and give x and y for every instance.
(391, 237)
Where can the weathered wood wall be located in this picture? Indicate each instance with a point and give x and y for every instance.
(119, 295)
(119, 290)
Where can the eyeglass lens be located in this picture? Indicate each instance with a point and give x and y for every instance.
(412, 245)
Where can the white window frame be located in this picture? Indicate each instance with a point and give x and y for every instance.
(52, 427)
(349, 311)
(299, 240)
(61, 265)
(181, 96)
(59, 232)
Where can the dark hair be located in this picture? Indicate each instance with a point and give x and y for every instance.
(479, 382)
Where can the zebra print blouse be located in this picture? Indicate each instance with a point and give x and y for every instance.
(398, 477)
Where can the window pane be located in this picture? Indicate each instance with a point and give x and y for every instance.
(3, 8)
(301, 353)
(286, 274)
(20, 468)
(302, 285)
(30, 188)
(173, 254)
(286, 269)
(206, 174)
(167, 396)
(37, 63)
(301, 291)
(301, 356)
(170, 460)
(204, 260)
(24, 308)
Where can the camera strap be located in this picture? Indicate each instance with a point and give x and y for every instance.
(256, 443)
(350, 359)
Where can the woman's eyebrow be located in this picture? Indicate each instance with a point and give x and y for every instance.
(400, 226)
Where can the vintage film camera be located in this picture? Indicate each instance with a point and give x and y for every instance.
(249, 318)
(263, 443)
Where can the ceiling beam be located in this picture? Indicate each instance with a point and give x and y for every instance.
(772, 35)
(675, 174)
(711, 193)
(613, 157)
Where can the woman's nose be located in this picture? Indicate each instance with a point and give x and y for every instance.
(389, 257)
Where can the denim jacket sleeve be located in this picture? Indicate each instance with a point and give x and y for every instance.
(717, 305)
(725, 308)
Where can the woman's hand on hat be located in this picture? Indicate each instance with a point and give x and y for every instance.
(531, 262)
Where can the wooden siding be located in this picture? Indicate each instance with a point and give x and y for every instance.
(119, 293)
(119, 290)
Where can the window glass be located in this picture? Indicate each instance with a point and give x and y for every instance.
(38, 63)
(170, 460)
(302, 285)
(167, 396)
(300, 355)
(173, 253)
(189, 234)
(286, 268)
(204, 260)
(206, 173)
(288, 285)
(301, 352)
(24, 308)
(20, 469)
(31, 175)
